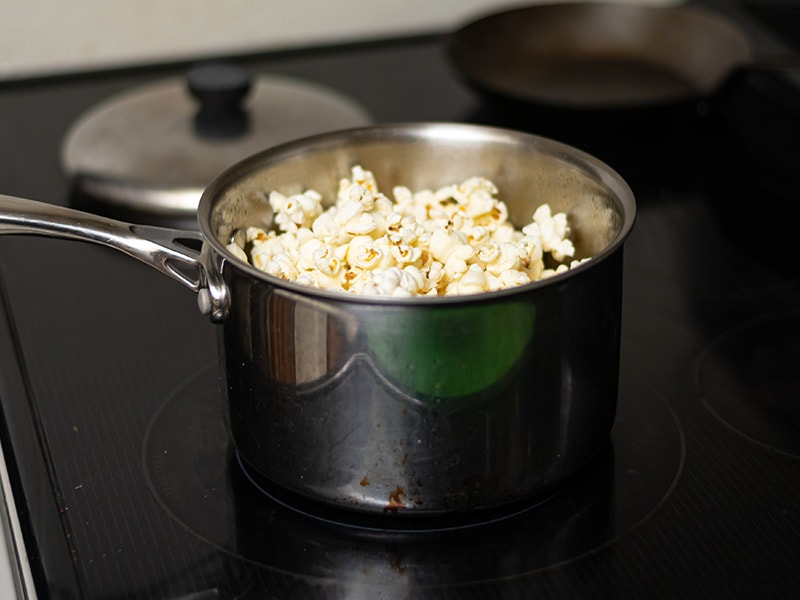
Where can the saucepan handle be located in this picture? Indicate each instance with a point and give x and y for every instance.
(174, 252)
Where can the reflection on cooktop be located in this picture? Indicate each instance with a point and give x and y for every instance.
(749, 378)
(194, 472)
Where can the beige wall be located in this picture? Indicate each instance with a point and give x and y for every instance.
(43, 37)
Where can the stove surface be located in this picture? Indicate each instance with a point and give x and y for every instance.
(124, 481)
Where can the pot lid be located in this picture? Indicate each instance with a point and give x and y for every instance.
(155, 148)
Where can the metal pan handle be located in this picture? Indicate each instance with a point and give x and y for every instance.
(174, 252)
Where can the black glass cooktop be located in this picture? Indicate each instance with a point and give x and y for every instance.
(126, 485)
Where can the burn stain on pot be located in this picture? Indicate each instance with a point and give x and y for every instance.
(365, 481)
(397, 564)
(396, 501)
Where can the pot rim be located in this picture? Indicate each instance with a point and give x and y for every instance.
(590, 165)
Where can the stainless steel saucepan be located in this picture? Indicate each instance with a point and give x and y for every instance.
(401, 407)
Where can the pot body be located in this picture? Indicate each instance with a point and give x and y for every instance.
(423, 406)
(427, 410)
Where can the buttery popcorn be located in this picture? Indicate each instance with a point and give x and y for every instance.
(454, 240)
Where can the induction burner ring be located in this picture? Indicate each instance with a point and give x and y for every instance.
(194, 473)
(749, 379)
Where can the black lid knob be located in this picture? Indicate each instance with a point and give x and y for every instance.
(220, 88)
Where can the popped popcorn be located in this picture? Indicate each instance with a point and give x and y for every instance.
(453, 240)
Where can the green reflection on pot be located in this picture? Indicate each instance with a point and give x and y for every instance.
(442, 353)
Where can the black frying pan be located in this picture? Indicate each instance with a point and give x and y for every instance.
(600, 55)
